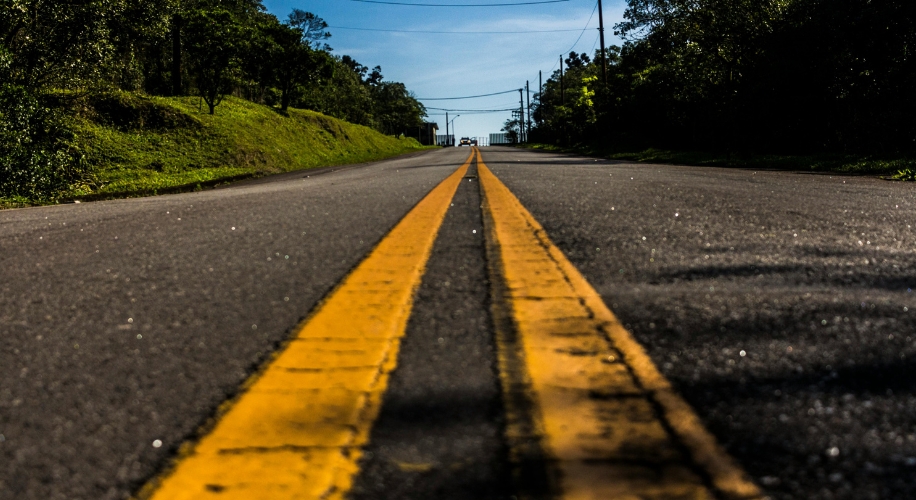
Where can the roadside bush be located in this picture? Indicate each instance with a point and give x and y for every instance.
(907, 174)
(36, 159)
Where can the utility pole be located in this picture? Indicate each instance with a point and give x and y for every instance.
(446, 129)
(562, 88)
(541, 87)
(528, 96)
(521, 117)
(601, 31)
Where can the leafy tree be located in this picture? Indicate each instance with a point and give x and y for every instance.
(375, 78)
(396, 109)
(293, 62)
(577, 61)
(61, 44)
(568, 114)
(258, 58)
(313, 28)
(511, 130)
(141, 25)
(214, 42)
(745, 75)
(293, 57)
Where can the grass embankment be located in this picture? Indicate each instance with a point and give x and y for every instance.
(896, 168)
(138, 145)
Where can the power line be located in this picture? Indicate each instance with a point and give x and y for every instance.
(466, 97)
(584, 29)
(452, 32)
(495, 112)
(460, 4)
(475, 110)
(511, 105)
(580, 35)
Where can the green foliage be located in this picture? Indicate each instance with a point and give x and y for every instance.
(566, 109)
(214, 40)
(746, 76)
(75, 56)
(293, 61)
(340, 92)
(37, 160)
(87, 44)
(346, 89)
(511, 127)
(72, 44)
(907, 174)
(395, 108)
(311, 27)
(210, 48)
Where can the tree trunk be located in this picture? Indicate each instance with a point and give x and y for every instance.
(211, 102)
(284, 97)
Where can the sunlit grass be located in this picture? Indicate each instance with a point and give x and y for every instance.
(241, 140)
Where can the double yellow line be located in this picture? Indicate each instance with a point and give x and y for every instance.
(600, 410)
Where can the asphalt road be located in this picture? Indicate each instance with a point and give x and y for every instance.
(125, 324)
(779, 304)
(439, 434)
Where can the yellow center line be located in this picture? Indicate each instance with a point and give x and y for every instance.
(608, 422)
(297, 427)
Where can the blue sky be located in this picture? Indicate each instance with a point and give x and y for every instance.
(443, 64)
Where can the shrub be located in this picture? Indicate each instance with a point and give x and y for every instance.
(36, 158)
(907, 174)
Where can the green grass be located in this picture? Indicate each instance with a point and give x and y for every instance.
(896, 168)
(139, 145)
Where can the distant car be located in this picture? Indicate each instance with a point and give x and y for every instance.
(473, 142)
(465, 141)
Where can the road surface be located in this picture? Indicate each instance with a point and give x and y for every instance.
(439, 326)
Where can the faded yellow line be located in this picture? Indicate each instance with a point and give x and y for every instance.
(296, 430)
(603, 415)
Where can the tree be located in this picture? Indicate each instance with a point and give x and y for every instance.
(293, 61)
(214, 42)
(577, 61)
(511, 129)
(396, 109)
(337, 90)
(61, 44)
(313, 29)
(293, 50)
